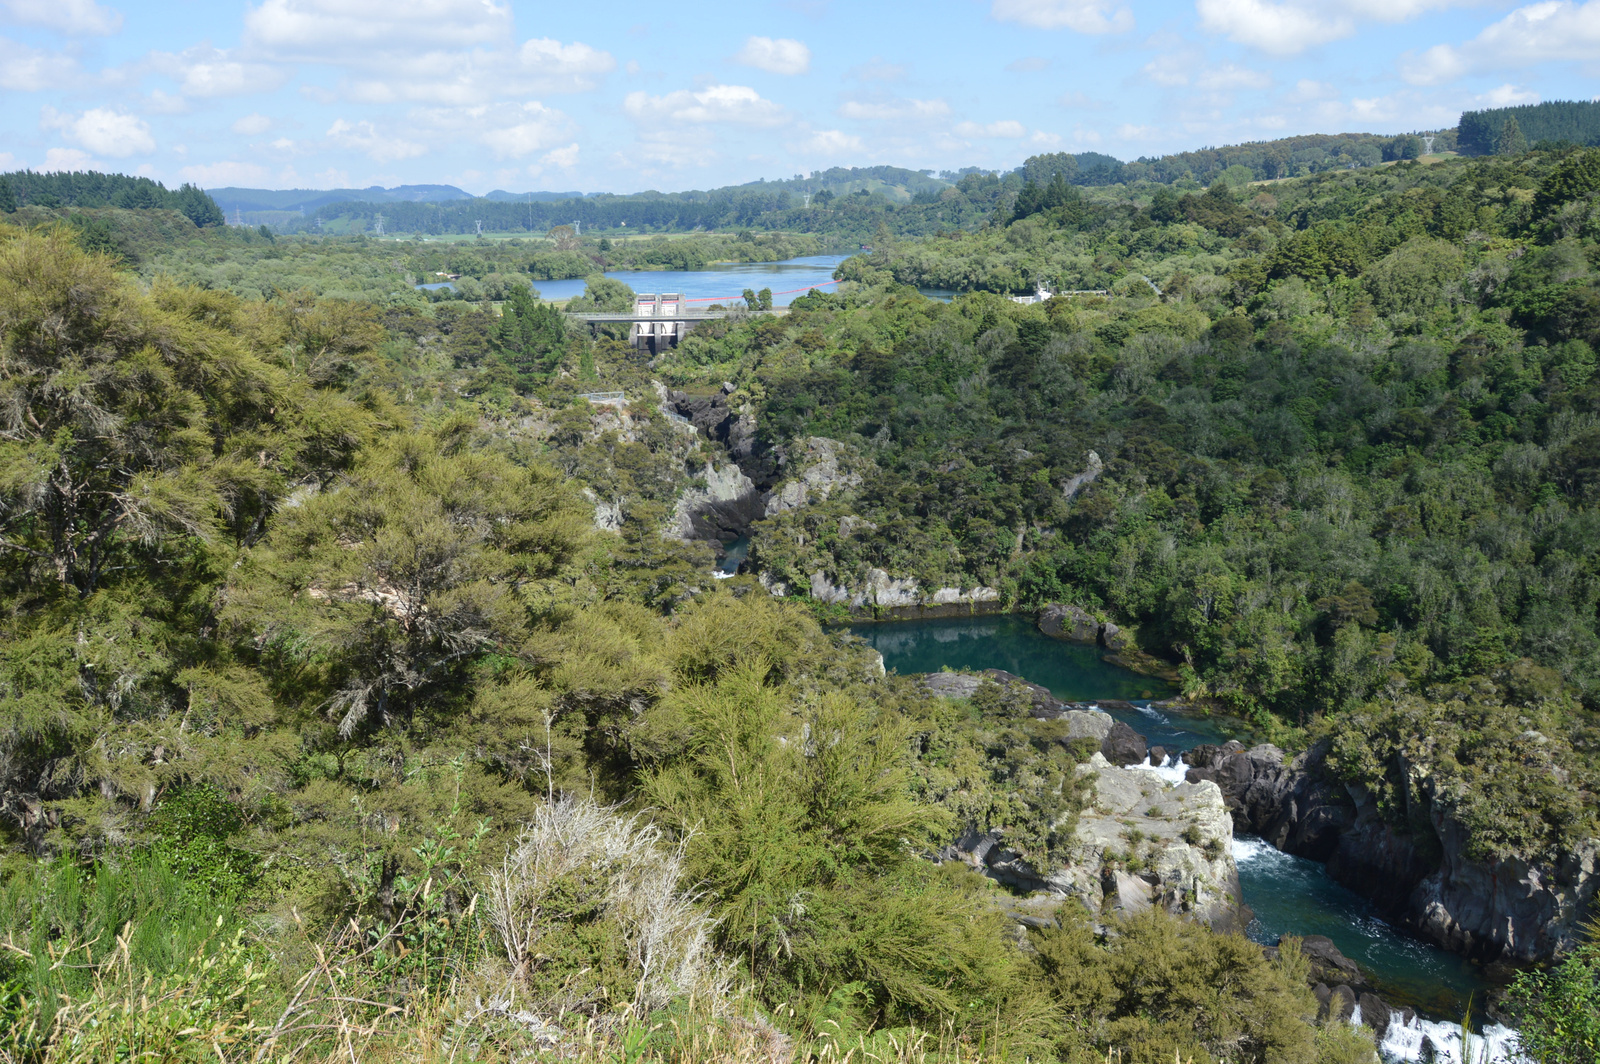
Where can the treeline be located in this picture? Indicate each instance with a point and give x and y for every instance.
(1573, 122)
(87, 188)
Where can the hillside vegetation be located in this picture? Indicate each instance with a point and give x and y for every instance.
(359, 700)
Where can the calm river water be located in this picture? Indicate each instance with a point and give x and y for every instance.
(1290, 895)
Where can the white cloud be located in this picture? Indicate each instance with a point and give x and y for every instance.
(364, 137)
(1083, 16)
(324, 28)
(215, 175)
(1550, 32)
(60, 159)
(737, 104)
(1045, 140)
(1230, 76)
(893, 110)
(780, 55)
(333, 178)
(103, 131)
(1129, 131)
(463, 78)
(206, 72)
(1307, 90)
(834, 142)
(564, 158)
(1169, 71)
(525, 130)
(24, 69)
(1287, 27)
(1506, 96)
(252, 125)
(76, 17)
(1006, 130)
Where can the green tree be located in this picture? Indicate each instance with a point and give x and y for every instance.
(1575, 177)
(425, 557)
(1511, 141)
(8, 199)
(1558, 1011)
(530, 336)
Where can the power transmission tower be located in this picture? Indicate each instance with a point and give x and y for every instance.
(577, 227)
(480, 226)
(379, 226)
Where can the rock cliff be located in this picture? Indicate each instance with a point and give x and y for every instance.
(1418, 874)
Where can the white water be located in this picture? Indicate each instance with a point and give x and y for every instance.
(1497, 1044)
(1171, 769)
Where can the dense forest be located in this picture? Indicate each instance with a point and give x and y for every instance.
(362, 697)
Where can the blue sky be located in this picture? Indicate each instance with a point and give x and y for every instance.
(623, 96)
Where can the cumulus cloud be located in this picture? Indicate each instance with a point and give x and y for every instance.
(1083, 16)
(316, 29)
(1008, 129)
(779, 55)
(900, 110)
(215, 175)
(562, 158)
(1287, 27)
(24, 69)
(204, 71)
(455, 52)
(1506, 96)
(1549, 32)
(877, 69)
(512, 131)
(103, 131)
(252, 125)
(364, 137)
(68, 159)
(76, 17)
(737, 104)
(1045, 140)
(833, 142)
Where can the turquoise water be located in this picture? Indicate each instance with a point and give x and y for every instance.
(1290, 895)
(726, 281)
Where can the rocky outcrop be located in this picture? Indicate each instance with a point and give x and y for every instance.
(1124, 746)
(1141, 843)
(1419, 874)
(1072, 623)
(896, 598)
(816, 468)
(1091, 471)
(728, 502)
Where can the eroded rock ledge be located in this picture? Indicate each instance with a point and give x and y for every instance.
(1519, 910)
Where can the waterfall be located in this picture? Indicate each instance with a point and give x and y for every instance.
(1430, 1040)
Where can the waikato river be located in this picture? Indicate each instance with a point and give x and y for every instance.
(1289, 895)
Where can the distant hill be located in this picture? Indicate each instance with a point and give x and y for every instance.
(309, 199)
(1572, 121)
(502, 196)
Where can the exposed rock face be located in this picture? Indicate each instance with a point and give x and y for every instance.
(881, 591)
(728, 503)
(607, 515)
(820, 468)
(1524, 910)
(1197, 879)
(1091, 471)
(1072, 623)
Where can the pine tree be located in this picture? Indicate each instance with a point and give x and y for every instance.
(1511, 141)
(8, 201)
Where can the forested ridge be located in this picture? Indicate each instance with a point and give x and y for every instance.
(359, 700)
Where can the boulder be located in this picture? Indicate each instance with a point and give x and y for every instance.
(1158, 756)
(952, 684)
(1087, 723)
(1341, 1004)
(1123, 746)
(1374, 1013)
(1071, 623)
(1328, 965)
(1045, 704)
(1115, 639)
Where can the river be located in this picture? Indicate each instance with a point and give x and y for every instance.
(727, 281)
(1289, 895)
